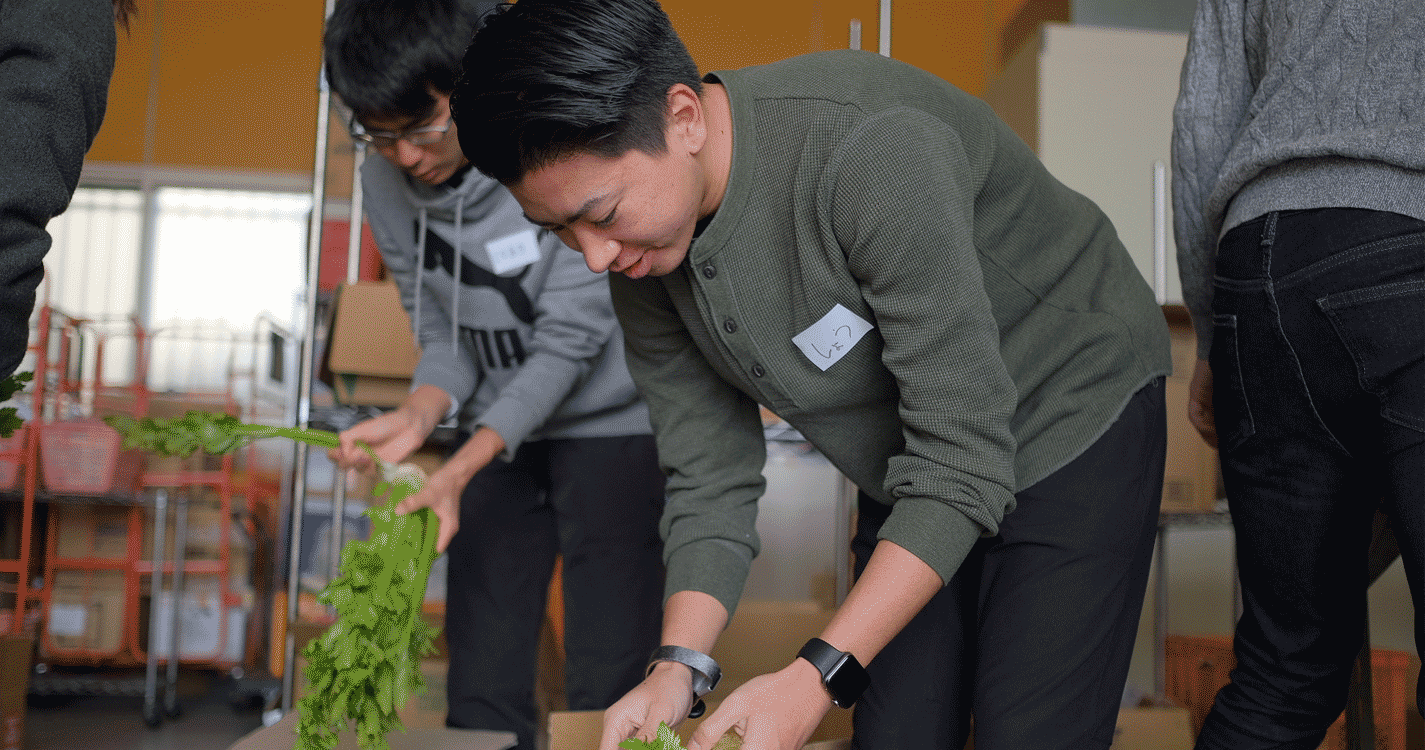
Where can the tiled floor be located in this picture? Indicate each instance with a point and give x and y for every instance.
(208, 720)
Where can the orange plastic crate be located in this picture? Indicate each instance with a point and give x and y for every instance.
(84, 457)
(1199, 666)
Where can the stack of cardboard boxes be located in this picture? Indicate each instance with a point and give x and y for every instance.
(1190, 478)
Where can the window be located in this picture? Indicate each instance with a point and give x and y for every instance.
(215, 274)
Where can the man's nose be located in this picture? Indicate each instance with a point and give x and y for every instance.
(405, 155)
(599, 252)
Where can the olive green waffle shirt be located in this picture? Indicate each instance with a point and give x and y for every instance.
(1005, 326)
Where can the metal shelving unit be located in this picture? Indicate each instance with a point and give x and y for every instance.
(96, 501)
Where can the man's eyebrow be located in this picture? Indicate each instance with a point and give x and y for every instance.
(577, 215)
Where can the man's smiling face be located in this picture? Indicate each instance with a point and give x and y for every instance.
(632, 214)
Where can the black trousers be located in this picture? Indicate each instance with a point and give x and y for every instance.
(1034, 634)
(1318, 363)
(596, 502)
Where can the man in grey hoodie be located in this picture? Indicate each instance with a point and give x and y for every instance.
(519, 341)
(1299, 192)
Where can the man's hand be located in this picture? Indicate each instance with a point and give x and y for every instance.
(1200, 411)
(777, 711)
(665, 696)
(396, 434)
(441, 494)
(444, 488)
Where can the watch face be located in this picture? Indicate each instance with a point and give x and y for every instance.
(846, 681)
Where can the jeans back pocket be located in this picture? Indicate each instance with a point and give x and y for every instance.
(1383, 328)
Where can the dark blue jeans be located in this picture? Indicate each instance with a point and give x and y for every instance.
(1318, 362)
(596, 502)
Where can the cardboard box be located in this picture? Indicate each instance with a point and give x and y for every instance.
(371, 353)
(203, 537)
(1190, 476)
(281, 736)
(16, 657)
(207, 630)
(1153, 728)
(86, 614)
(763, 636)
(582, 730)
(91, 531)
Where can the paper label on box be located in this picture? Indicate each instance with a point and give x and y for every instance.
(67, 620)
(513, 251)
(826, 341)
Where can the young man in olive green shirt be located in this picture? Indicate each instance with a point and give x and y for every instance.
(871, 254)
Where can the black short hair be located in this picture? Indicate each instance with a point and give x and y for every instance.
(384, 57)
(549, 78)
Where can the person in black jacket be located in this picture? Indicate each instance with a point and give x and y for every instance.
(56, 58)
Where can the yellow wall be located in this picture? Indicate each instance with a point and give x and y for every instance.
(236, 83)
(962, 41)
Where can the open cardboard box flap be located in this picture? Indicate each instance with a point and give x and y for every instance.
(283, 736)
(371, 353)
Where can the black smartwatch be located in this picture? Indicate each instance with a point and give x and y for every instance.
(842, 676)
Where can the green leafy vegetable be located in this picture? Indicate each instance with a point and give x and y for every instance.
(9, 419)
(367, 664)
(210, 432)
(666, 740)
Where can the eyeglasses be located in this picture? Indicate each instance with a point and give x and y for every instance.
(422, 136)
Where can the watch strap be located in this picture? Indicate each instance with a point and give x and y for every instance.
(822, 655)
(706, 672)
(841, 674)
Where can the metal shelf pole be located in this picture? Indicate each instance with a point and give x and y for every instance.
(305, 374)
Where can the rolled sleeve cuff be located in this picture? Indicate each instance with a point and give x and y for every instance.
(716, 567)
(935, 532)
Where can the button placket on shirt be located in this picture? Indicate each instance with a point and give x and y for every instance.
(708, 271)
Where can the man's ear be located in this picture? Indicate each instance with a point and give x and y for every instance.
(687, 123)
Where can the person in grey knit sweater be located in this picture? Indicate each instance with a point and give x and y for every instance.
(520, 346)
(1299, 207)
(873, 255)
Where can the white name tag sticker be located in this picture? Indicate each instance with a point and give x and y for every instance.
(828, 340)
(513, 251)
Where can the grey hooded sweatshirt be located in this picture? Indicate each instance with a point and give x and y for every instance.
(530, 346)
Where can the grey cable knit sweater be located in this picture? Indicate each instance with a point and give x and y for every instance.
(1293, 104)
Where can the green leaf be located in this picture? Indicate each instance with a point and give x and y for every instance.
(9, 416)
(666, 739)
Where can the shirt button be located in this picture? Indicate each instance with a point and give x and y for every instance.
(757, 371)
(729, 325)
(709, 271)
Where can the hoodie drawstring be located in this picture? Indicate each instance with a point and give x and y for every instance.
(459, 266)
(420, 272)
